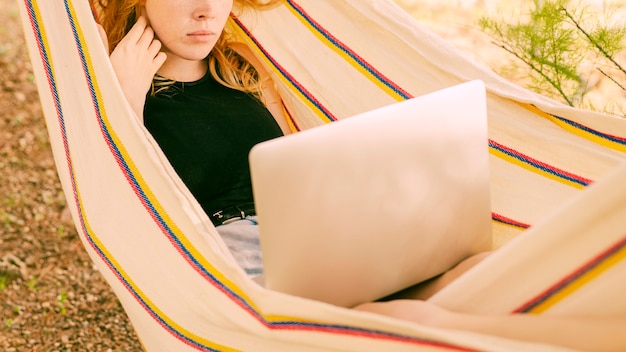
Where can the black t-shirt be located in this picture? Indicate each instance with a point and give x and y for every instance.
(206, 130)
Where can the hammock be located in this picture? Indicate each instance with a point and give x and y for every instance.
(553, 167)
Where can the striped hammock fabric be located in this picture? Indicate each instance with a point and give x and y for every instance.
(558, 190)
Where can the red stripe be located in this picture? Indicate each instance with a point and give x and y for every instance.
(509, 221)
(571, 278)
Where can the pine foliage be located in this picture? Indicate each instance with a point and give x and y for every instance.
(558, 47)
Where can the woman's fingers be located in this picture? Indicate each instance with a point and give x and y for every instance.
(140, 35)
(136, 31)
(159, 60)
(135, 60)
(154, 47)
(146, 38)
(140, 44)
(145, 41)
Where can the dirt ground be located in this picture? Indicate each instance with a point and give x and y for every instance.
(51, 297)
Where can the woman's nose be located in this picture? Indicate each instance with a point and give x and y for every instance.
(204, 10)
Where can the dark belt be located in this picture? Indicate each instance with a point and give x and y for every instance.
(230, 214)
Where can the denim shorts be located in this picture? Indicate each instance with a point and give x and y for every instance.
(242, 238)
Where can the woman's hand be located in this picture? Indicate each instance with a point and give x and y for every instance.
(136, 60)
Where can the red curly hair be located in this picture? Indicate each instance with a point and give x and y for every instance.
(226, 66)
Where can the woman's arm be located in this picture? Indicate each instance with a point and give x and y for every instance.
(136, 60)
(588, 334)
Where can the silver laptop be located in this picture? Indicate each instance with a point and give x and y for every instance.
(355, 210)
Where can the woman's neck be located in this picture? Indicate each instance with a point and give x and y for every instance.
(182, 70)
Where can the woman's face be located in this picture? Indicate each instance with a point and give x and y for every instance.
(187, 29)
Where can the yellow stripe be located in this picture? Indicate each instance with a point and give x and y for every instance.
(218, 275)
(159, 208)
(88, 229)
(241, 35)
(580, 282)
(534, 169)
(621, 147)
(496, 222)
(140, 293)
(289, 118)
(354, 63)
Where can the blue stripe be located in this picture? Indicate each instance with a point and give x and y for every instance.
(538, 166)
(347, 51)
(279, 324)
(329, 116)
(591, 131)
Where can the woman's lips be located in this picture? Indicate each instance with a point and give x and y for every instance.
(201, 36)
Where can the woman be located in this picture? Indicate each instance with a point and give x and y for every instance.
(207, 101)
(206, 107)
